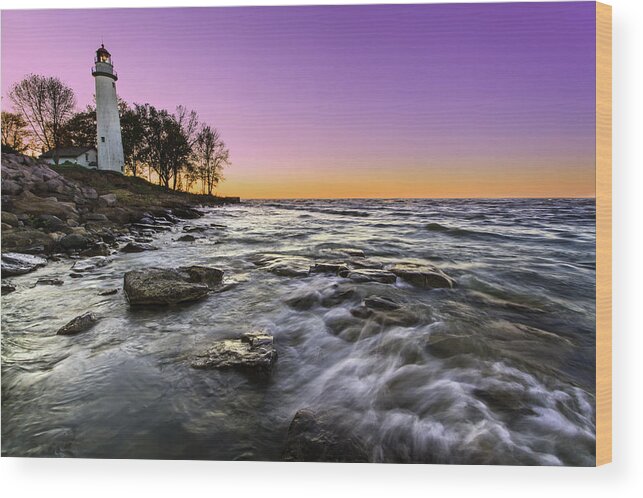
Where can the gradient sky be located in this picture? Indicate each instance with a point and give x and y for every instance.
(444, 100)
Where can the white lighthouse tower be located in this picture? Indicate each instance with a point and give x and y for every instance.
(108, 123)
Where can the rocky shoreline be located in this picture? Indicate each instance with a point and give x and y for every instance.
(47, 216)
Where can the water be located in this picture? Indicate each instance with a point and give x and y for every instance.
(514, 386)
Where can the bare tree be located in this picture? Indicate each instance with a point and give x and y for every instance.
(45, 103)
(14, 134)
(212, 155)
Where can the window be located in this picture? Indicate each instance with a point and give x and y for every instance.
(102, 139)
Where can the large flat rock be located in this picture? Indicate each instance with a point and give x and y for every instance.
(252, 351)
(161, 286)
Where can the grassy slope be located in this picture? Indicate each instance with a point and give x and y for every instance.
(134, 192)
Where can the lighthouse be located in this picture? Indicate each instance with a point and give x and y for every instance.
(108, 123)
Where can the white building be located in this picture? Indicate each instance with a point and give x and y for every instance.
(108, 123)
(82, 156)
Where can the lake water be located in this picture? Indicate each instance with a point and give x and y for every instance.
(513, 382)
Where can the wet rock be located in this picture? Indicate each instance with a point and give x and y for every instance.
(303, 300)
(79, 324)
(108, 292)
(338, 294)
(186, 238)
(254, 351)
(14, 263)
(191, 229)
(380, 303)
(74, 241)
(186, 213)
(426, 277)
(366, 263)
(97, 249)
(334, 268)
(161, 286)
(8, 289)
(49, 281)
(90, 264)
(312, 438)
(369, 275)
(212, 277)
(284, 265)
(137, 247)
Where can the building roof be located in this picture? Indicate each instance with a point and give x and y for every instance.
(67, 151)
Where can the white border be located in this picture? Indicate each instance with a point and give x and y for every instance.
(51, 478)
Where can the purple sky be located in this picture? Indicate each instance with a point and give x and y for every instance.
(386, 101)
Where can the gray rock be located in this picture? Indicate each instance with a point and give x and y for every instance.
(161, 286)
(49, 281)
(253, 351)
(79, 324)
(14, 263)
(50, 223)
(380, 303)
(212, 277)
(96, 217)
(89, 264)
(369, 275)
(74, 241)
(8, 289)
(313, 438)
(108, 292)
(108, 200)
(334, 268)
(186, 238)
(9, 219)
(426, 277)
(137, 247)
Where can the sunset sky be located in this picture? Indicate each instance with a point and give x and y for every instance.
(460, 100)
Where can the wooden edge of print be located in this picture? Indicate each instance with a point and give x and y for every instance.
(603, 234)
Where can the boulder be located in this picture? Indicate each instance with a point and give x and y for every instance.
(14, 263)
(334, 268)
(212, 277)
(33, 205)
(74, 241)
(186, 238)
(108, 200)
(49, 281)
(369, 275)
(426, 277)
(108, 292)
(50, 223)
(312, 438)
(27, 240)
(137, 247)
(10, 219)
(8, 289)
(79, 324)
(161, 286)
(186, 213)
(96, 217)
(254, 351)
(89, 264)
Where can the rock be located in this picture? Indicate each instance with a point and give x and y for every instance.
(108, 200)
(97, 249)
(311, 438)
(426, 277)
(253, 351)
(366, 263)
(303, 300)
(212, 277)
(14, 263)
(152, 227)
(89, 264)
(284, 265)
(79, 324)
(74, 241)
(96, 217)
(9, 219)
(49, 281)
(334, 268)
(186, 238)
(10, 187)
(161, 286)
(50, 223)
(136, 247)
(8, 289)
(33, 205)
(380, 303)
(27, 240)
(108, 292)
(186, 213)
(338, 294)
(369, 275)
(189, 229)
